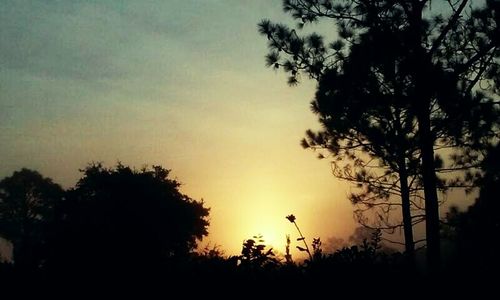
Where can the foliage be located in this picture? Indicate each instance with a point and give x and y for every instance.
(124, 218)
(367, 252)
(317, 251)
(292, 219)
(288, 255)
(480, 224)
(393, 85)
(255, 255)
(214, 251)
(27, 211)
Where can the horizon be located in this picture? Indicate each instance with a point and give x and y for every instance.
(183, 85)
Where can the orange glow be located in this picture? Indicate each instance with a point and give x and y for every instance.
(257, 204)
(200, 103)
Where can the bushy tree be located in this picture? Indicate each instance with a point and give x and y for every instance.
(123, 218)
(27, 213)
(475, 232)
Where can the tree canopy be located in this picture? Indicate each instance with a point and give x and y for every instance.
(27, 210)
(432, 71)
(121, 217)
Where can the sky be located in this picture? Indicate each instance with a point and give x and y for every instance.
(182, 84)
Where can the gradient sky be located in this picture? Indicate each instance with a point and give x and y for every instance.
(177, 83)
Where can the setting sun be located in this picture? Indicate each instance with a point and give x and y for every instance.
(230, 134)
(180, 141)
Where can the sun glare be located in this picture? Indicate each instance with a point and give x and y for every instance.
(269, 224)
(270, 238)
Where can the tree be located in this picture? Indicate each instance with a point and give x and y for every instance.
(121, 219)
(476, 230)
(371, 135)
(437, 65)
(27, 210)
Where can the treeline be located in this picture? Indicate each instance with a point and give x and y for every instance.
(408, 101)
(122, 228)
(114, 222)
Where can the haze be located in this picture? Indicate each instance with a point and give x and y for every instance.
(181, 84)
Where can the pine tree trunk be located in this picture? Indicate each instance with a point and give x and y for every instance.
(430, 193)
(422, 67)
(405, 193)
(406, 213)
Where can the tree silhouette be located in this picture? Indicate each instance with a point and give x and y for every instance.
(476, 230)
(120, 219)
(371, 135)
(27, 211)
(434, 66)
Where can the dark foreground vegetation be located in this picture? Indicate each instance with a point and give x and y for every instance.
(408, 101)
(121, 230)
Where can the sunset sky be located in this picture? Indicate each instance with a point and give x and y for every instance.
(181, 84)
